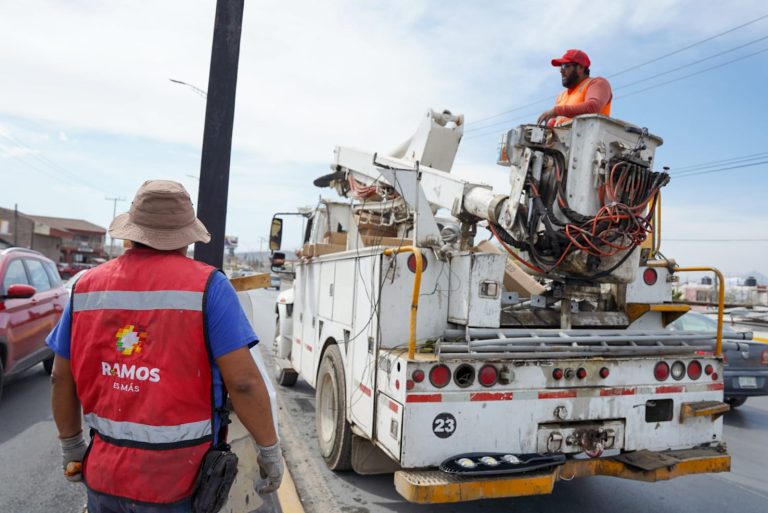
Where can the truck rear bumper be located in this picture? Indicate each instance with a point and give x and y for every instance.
(433, 486)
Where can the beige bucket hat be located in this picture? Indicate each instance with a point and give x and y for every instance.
(161, 217)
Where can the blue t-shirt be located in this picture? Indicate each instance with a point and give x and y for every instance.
(228, 329)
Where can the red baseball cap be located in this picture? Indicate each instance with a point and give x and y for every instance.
(573, 55)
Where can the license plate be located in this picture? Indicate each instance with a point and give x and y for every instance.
(747, 382)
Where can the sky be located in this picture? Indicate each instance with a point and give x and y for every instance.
(87, 110)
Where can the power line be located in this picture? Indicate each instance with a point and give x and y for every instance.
(51, 166)
(687, 47)
(694, 73)
(715, 163)
(718, 170)
(625, 70)
(693, 63)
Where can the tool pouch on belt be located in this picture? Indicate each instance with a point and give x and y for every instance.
(217, 474)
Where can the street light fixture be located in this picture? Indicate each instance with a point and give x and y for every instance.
(194, 88)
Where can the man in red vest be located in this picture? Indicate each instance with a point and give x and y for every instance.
(582, 94)
(144, 350)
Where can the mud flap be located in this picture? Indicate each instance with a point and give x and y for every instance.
(367, 459)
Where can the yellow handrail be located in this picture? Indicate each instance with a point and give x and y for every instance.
(415, 298)
(721, 295)
(657, 225)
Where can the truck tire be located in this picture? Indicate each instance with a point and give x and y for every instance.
(333, 432)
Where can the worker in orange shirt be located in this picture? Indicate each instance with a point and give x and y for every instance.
(582, 94)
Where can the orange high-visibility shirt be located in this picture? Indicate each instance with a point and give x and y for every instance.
(590, 96)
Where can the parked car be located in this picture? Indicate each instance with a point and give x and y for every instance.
(32, 299)
(745, 371)
(274, 281)
(69, 270)
(70, 283)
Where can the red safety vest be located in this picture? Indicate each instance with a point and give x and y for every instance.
(143, 376)
(575, 96)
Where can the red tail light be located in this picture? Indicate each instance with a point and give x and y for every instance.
(604, 372)
(661, 371)
(764, 357)
(418, 375)
(708, 370)
(488, 375)
(409, 384)
(694, 369)
(714, 376)
(581, 373)
(412, 263)
(439, 376)
(557, 373)
(650, 276)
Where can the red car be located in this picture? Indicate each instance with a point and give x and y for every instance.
(32, 298)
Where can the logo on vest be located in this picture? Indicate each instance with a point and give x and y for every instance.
(130, 340)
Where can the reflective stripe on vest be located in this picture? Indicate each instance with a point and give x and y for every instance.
(143, 433)
(145, 300)
(574, 97)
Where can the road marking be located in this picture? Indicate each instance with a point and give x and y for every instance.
(287, 494)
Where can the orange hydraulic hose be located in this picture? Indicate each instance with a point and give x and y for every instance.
(720, 300)
(415, 297)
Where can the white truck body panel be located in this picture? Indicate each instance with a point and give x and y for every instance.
(476, 284)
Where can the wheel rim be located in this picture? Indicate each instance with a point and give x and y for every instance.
(327, 408)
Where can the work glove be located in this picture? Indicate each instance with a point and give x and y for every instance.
(270, 460)
(72, 454)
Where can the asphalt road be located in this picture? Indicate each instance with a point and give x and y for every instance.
(744, 489)
(30, 459)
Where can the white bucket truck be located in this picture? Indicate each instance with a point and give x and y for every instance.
(496, 369)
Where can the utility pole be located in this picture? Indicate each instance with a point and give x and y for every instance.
(114, 214)
(16, 224)
(217, 135)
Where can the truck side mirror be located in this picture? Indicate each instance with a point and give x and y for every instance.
(276, 234)
(277, 261)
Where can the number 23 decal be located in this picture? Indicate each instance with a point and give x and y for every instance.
(444, 425)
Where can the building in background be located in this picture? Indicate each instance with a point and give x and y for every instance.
(19, 229)
(738, 292)
(82, 242)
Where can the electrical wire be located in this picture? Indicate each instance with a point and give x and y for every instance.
(721, 169)
(721, 162)
(693, 63)
(689, 75)
(50, 168)
(688, 47)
